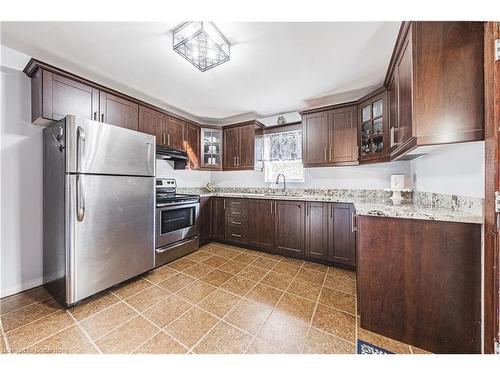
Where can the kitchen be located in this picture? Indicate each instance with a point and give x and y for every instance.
(355, 222)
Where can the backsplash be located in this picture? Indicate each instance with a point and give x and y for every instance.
(421, 199)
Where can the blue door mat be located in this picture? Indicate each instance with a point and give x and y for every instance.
(364, 347)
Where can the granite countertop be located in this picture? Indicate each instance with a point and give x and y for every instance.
(369, 207)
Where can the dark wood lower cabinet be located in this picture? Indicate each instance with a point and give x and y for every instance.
(261, 224)
(342, 235)
(218, 206)
(289, 228)
(419, 282)
(316, 230)
(205, 220)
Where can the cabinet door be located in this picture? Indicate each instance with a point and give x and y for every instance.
(404, 72)
(118, 111)
(289, 228)
(315, 138)
(175, 132)
(316, 230)
(343, 136)
(192, 145)
(245, 157)
(63, 96)
(342, 235)
(205, 220)
(393, 111)
(150, 122)
(261, 224)
(218, 218)
(231, 142)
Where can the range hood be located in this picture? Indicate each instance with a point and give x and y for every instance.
(178, 157)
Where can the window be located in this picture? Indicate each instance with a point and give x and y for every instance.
(283, 154)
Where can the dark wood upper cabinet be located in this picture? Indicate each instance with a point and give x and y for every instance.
(150, 122)
(115, 110)
(436, 82)
(205, 220)
(289, 228)
(192, 145)
(315, 140)
(342, 234)
(316, 230)
(247, 145)
(373, 125)
(174, 130)
(343, 140)
(239, 147)
(211, 148)
(329, 137)
(54, 96)
(261, 224)
(218, 208)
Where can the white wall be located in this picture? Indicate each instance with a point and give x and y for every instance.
(375, 176)
(453, 169)
(184, 178)
(21, 187)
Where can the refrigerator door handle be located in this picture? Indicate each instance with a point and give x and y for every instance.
(80, 199)
(80, 147)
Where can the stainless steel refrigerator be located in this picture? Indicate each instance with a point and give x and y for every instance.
(98, 207)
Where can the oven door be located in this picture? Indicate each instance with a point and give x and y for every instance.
(176, 222)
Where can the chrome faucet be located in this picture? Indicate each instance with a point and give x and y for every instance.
(284, 181)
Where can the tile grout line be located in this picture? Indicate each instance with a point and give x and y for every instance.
(156, 325)
(4, 338)
(28, 305)
(314, 313)
(85, 334)
(274, 307)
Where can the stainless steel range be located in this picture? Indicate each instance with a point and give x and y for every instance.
(177, 222)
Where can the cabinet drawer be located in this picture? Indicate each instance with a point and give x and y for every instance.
(237, 208)
(237, 221)
(236, 233)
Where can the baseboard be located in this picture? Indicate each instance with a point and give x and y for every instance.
(21, 287)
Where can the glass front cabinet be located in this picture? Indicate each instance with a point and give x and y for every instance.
(211, 148)
(373, 129)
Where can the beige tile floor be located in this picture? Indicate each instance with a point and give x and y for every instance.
(220, 299)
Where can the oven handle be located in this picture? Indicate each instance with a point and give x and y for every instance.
(171, 247)
(178, 204)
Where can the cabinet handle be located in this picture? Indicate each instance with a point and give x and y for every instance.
(325, 154)
(163, 138)
(331, 211)
(271, 208)
(307, 210)
(95, 116)
(237, 161)
(234, 161)
(102, 117)
(235, 202)
(236, 235)
(353, 227)
(236, 222)
(224, 201)
(330, 154)
(168, 139)
(236, 213)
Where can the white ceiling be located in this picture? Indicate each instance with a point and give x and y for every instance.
(274, 67)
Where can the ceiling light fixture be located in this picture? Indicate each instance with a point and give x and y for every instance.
(202, 44)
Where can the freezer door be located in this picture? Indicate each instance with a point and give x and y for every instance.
(98, 148)
(111, 231)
